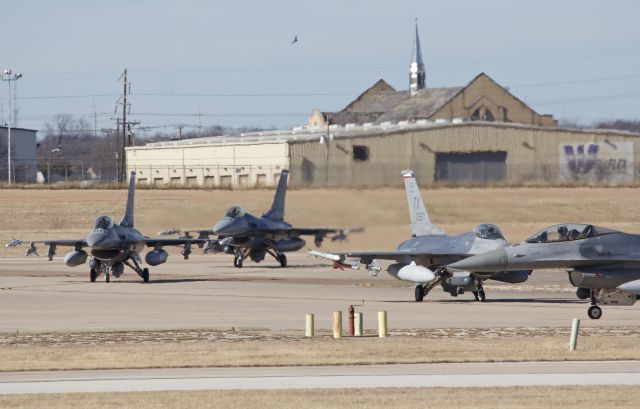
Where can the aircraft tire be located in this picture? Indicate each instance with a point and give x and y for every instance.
(237, 262)
(93, 274)
(283, 260)
(145, 275)
(419, 293)
(594, 312)
(482, 297)
(107, 278)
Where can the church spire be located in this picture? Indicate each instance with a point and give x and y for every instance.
(417, 74)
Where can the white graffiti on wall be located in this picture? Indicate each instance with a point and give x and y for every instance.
(597, 161)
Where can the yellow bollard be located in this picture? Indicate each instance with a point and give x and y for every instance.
(337, 324)
(309, 330)
(358, 323)
(382, 324)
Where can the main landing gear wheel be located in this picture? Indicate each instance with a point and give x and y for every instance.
(594, 312)
(145, 275)
(283, 260)
(480, 295)
(419, 293)
(93, 274)
(237, 262)
(107, 277)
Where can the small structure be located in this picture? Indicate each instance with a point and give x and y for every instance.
(24, 161)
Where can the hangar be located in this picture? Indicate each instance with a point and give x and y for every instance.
(372, 155)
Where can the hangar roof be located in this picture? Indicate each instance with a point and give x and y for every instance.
(299, 135)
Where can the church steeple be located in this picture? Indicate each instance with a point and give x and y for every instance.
(417, 74)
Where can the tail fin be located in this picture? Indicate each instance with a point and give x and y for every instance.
(420, 223)
(127, 219)
(277, 208)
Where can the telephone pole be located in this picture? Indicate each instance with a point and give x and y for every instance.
(126, 126)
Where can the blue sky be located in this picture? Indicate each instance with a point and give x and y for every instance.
(231, 63)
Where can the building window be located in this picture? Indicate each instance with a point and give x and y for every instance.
(360, 153)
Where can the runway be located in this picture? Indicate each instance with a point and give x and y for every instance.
(501, 374)
(208, 292)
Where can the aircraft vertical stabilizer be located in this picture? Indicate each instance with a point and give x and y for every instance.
(277, 208)
(127, 219)
(420, 223)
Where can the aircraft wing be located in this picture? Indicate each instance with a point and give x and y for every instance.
(77, 243)
(200, 233)
(320, 233)
(180, 241)
(368, 257)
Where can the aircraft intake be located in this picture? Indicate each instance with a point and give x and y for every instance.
(156, 257)
(292, 244)
(108, 254)
(75, 258)
(411, 272)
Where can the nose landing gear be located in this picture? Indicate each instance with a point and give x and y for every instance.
(594, 312)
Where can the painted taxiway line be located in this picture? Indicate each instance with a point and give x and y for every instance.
(375, 376)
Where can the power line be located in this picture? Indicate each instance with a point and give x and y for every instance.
(584, 81)
(337, 68)
(577, 100)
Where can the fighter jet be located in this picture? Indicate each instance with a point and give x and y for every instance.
(112, 246)
(421, 258)
(247, 236)
(604, 264)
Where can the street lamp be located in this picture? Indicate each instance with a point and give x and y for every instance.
(8, 76)
(54, 150)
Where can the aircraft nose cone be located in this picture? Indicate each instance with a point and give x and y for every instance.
(226, 227)
(96, 238)
(492, 261)
(103, 240)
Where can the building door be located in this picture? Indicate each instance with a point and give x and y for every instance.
(471, 167)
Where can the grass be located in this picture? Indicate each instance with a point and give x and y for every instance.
(107, 353)
(519, 211)
(565, 397)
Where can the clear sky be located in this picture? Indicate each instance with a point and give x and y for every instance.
(232, 62)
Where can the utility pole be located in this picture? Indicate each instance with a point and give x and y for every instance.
(126, 126)
(8, 76)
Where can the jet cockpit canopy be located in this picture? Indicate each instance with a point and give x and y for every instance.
(568, 232)
(234, 212)
(488, 232)
(103, 222)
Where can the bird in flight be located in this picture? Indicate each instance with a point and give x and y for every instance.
(295, 40)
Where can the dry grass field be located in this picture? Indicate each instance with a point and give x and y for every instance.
(181, 349)
(519, 211)
(568, 397)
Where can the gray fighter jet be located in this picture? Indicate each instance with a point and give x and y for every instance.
(112, 246)
(247, 236)
(421, 258)
(604, 264)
